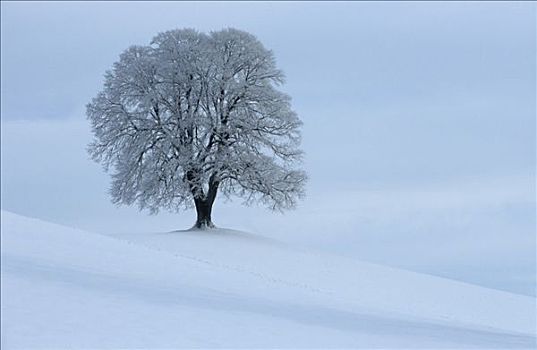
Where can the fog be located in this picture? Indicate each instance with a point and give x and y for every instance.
(419, 125)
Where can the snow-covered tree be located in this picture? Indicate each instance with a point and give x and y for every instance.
(194, 114)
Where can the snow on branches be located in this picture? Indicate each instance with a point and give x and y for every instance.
(193, 114)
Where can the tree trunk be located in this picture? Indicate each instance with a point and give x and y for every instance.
(203, 211)
(204, 206)
(204, 203)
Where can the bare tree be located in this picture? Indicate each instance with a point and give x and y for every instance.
(194, 114)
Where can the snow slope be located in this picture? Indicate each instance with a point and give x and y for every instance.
(66, 288)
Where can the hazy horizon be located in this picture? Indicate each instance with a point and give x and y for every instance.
(419, 125)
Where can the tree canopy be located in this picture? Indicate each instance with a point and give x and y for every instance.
(193, 114)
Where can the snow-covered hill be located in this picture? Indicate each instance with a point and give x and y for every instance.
(66, 288)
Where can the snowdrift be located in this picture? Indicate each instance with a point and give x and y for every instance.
(66, 288)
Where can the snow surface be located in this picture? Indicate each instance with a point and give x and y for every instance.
(66, 288)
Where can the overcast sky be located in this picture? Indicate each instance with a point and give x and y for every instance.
(418, 117)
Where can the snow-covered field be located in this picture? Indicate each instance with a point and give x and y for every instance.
(66, 288)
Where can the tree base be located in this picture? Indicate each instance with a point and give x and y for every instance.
(203, 225)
